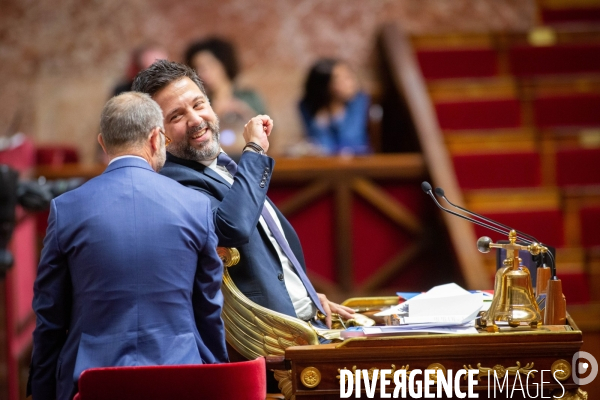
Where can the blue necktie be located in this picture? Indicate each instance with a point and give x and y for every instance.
(225, 161)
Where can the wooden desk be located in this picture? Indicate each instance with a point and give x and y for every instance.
(504, 351)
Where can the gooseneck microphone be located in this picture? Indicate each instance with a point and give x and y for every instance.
(484, 242)
(427, 189)
(440, 192)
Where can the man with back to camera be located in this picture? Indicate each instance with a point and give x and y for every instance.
(271, 271)
(129, 273)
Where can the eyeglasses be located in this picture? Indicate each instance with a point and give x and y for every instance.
(167, 139)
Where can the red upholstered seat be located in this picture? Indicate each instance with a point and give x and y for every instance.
(575, 14)
(497, 170)
(479, 114)
(56, 155)
(236, 381)
(458, 63)
(590, 226)
(577, 167)
(559, 59)
(571, 110)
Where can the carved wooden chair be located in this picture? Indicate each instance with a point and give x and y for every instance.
(254, 331)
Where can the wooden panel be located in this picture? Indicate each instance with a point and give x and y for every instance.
(497, 140)
(450, 40)
(472, 89)
(539, 349)
(406, 165)
(494, 200)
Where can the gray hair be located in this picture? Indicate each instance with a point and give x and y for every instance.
(128, 118)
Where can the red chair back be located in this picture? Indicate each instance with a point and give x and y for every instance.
(237, 380)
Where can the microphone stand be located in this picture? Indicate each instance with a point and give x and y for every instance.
(547, 281)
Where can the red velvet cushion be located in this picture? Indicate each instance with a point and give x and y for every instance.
(461, 63)
(578, 167)
(498, 170)
(588, 14)
(557, 111)
(56, 155)
(560, 59)
(480, 114)
(21, 157)
(590, 226)
(239, 380)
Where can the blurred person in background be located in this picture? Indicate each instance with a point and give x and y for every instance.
(141, 58)
(215, 62)
(335, 110)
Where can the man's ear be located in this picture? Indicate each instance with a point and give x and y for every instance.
(154, 139)
(101, 141)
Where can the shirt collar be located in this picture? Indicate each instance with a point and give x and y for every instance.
(127, 156)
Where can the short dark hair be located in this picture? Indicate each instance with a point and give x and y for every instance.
(316, 88)
(162, 73)
(221, 49)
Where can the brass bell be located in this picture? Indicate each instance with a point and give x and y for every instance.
(514, 301)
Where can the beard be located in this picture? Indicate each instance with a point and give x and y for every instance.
(208, 151)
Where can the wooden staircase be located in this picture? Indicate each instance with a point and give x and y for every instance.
(519, 116)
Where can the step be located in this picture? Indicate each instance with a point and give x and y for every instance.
(510, 169)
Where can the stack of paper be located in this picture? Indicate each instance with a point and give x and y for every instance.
(443, 309)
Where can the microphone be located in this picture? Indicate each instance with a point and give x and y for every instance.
(440, 192)
(428, 190)
(483, 244)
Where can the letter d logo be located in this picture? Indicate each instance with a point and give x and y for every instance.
(580, 367)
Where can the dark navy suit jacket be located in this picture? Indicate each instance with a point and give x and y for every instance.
(129, 275)
(237, 208)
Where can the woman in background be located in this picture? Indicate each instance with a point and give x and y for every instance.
(215, 62)
(335, 110)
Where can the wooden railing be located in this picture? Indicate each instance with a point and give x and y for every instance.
(411, 85)
(342, 179)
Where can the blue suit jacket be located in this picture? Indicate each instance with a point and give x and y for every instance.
(129, 275)
(237, 208)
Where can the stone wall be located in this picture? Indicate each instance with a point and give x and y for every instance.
(61, 58)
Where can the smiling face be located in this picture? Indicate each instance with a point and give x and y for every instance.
(189, 121)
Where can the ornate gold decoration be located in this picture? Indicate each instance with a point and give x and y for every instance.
(362, 304)
(310, 377)
(371, 371)
(500, 370)
(561, 369)
(284, 382)
(573, 394)
(229, 255)
(436, 367)
(256, 331)
(253, 330)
